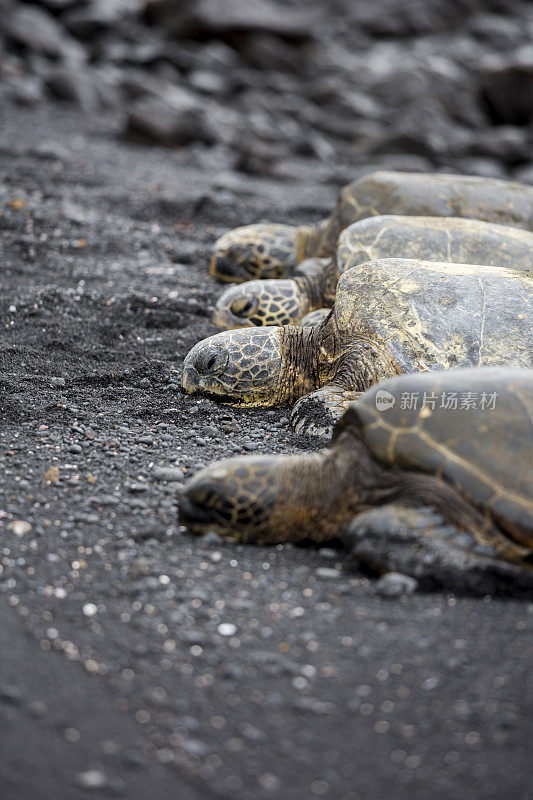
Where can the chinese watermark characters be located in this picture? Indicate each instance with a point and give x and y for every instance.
(449, 401)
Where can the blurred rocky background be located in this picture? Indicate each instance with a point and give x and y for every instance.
(275, 88)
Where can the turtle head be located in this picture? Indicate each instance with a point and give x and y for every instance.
(261, 499)
(269, 499)
(273, 302)
(254, 251)
(242, 366)
(236, 498)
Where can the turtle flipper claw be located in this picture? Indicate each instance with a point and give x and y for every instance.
(317, 413)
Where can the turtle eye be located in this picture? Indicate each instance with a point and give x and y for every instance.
(244, 306)
(211, 361)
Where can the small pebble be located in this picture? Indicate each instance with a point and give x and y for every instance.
(227, 629)
(20, 527)
(211, 431)
(251, 446)
(395, 584)
(211, 538)
(327, 573)
(10, 694)
(167, 473)
(92, 779)
(105, 500)
(195, 747)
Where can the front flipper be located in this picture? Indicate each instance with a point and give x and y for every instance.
(421, 543)
(316, 413)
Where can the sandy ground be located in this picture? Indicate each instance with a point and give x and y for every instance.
(138, 661)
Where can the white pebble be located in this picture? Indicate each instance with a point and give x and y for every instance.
(394, 584)
(227, 629)
(327, 573)
(20, 527)
(92, 779)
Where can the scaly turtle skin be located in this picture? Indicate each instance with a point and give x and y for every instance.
(284, 301)
(441, 489)
(273, 251)
(449, 239)
(389, 316)
(314, 317)
(254, 251)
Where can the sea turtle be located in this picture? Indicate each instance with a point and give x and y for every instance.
(452, 239)
(390, 316)
(441, 488)
(274, 251)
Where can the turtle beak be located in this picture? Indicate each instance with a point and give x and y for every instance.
(208, 500)
(202, 365)
(189, 379)
(195, 517)
(225, 269)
